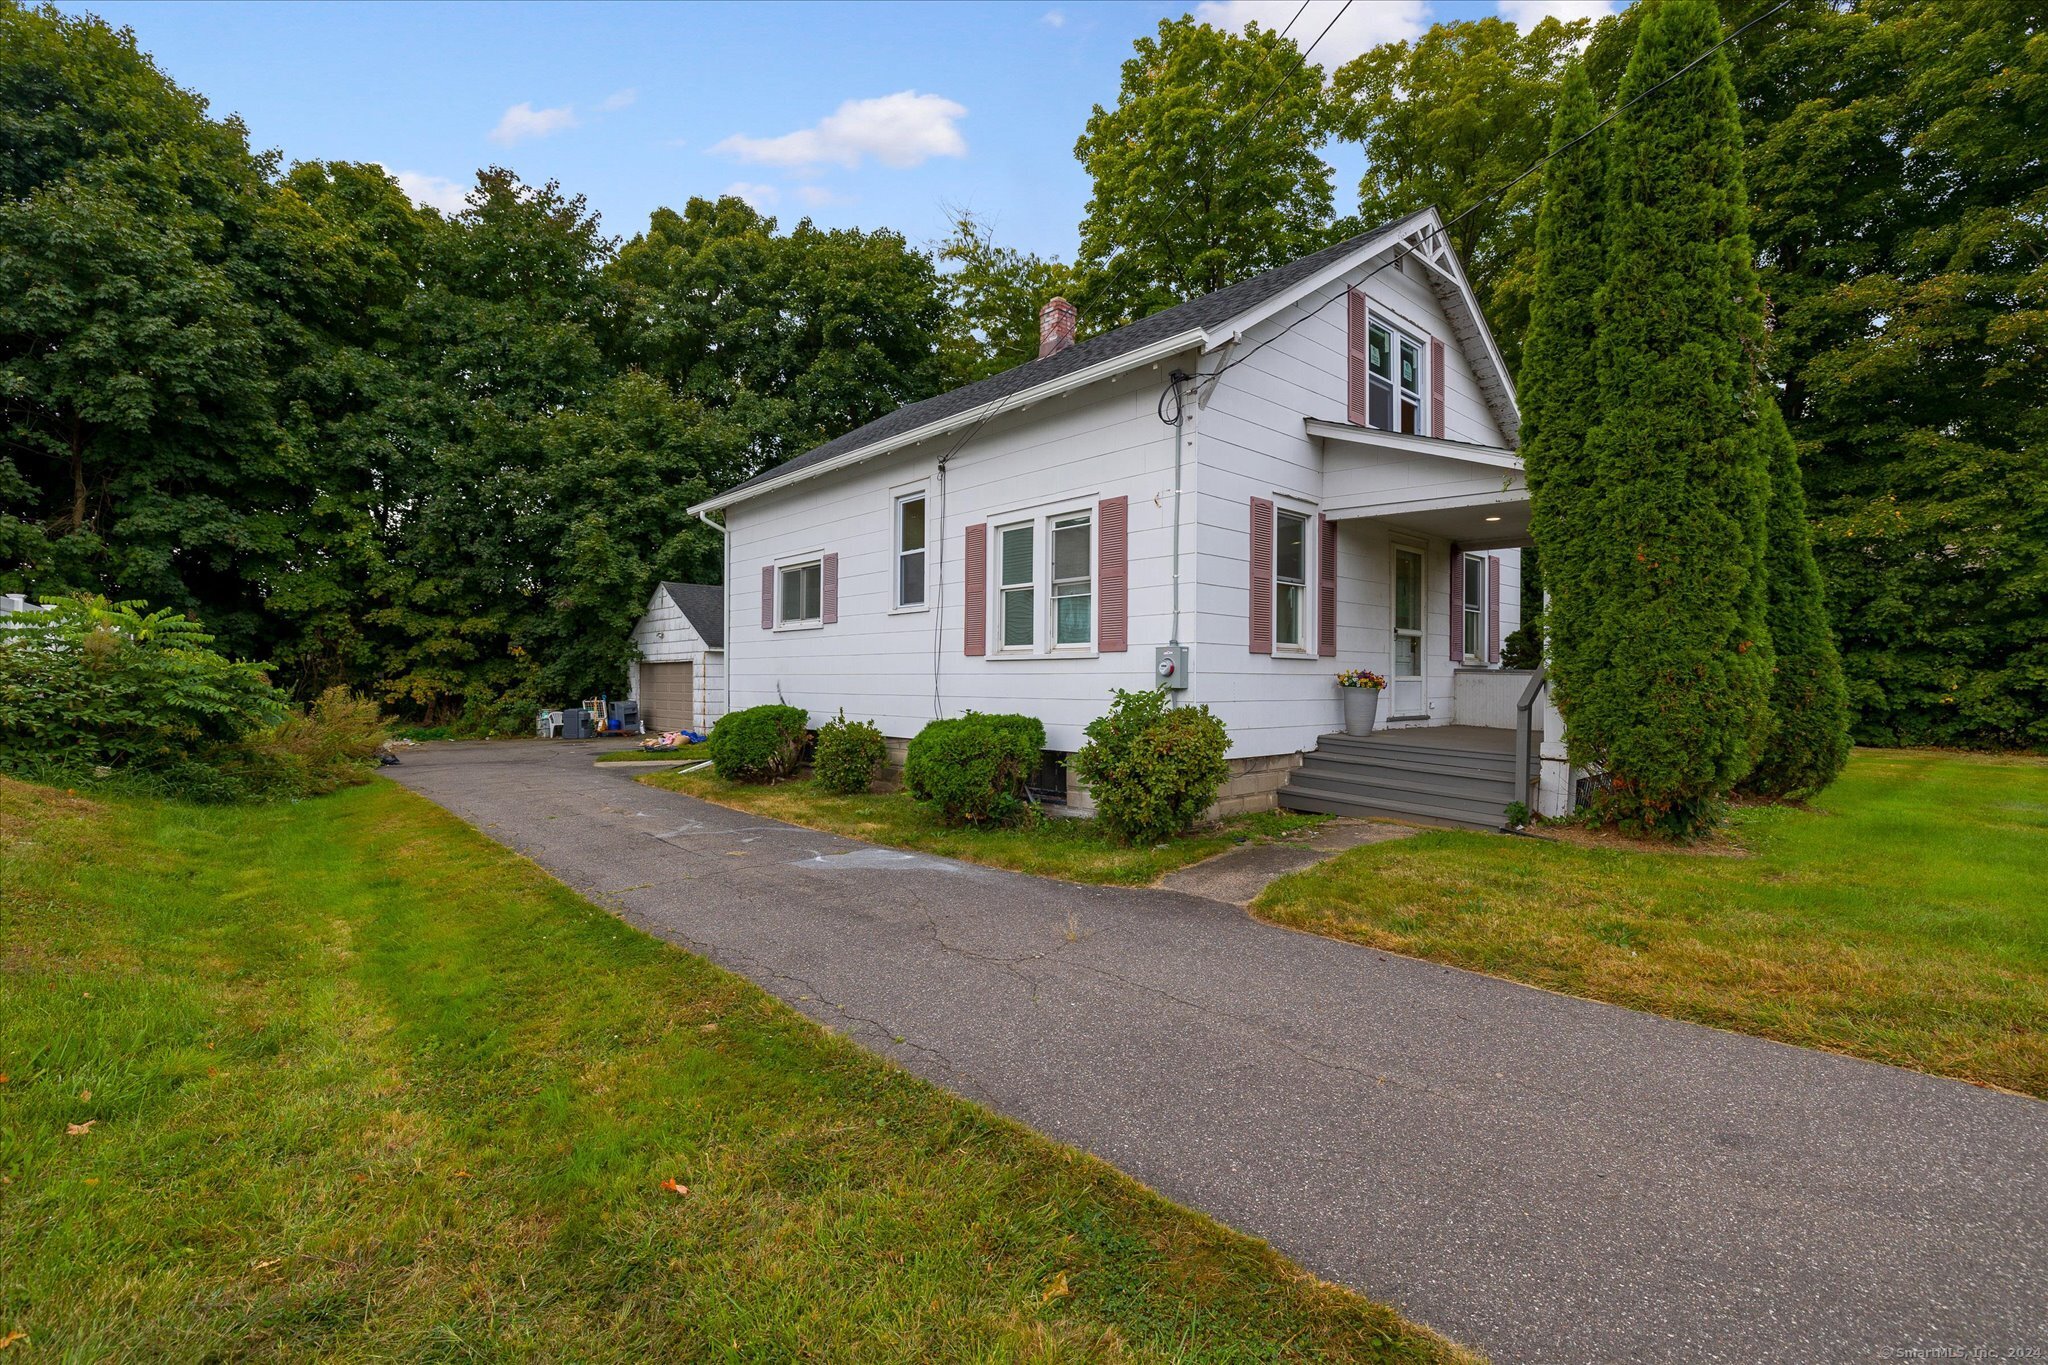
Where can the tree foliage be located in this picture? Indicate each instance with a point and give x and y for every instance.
(1560, 388)
(1452, 120)
(1669, 695)
(994, 294)
(1808, 740)
(1206, 171)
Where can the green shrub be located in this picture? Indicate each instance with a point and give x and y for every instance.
(1152, 768)
(102, 690)
(331, 745)
(509, 714)
(759, 744)
(973, 769)
(1524, 646)
(849, 754)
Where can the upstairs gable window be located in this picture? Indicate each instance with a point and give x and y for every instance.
(1394, 380)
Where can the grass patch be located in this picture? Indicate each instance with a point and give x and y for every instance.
(1071, 850)
(1901, 918)
(345, 1080)
(694, 754)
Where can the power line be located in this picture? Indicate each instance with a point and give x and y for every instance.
(1402, 250)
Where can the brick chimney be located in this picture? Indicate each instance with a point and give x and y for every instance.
(1056, 327)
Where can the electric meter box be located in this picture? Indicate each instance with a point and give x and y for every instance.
(1170, 667)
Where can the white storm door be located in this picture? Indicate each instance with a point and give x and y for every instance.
(1404, 677)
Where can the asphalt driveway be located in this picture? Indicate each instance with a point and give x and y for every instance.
(1539, 1177)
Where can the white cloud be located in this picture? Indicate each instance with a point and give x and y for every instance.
(901, 130)
(762, 197)
(432, 191)
(1527, 14)
(619, 99)
(523, 121)
(1053, 18)
(818, 197)
(1361, 26)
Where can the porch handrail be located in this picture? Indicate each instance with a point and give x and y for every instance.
(1524, 729)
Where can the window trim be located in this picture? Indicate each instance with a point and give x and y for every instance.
(816, 562)
(898, 553)
(1004, 589)
(1041, 521)
(1053, 643)
(1304, 647)
(1396, 335)
(1471, 606)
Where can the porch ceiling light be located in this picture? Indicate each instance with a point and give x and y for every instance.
(1493, 518)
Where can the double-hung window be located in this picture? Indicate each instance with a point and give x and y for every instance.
(1073, 580)
(1475, 607)
(910, 550)
(1290, 581)
(1393, 379)
(800, 594)
(1017, 581)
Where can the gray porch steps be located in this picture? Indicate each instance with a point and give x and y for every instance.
(1458, 775)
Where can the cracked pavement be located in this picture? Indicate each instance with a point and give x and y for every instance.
(1539, 1177)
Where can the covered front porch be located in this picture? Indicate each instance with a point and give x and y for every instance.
(1428, 536)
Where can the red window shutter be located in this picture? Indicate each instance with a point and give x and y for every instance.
(828, 592)
(1326, 595)
(1354, 359)
(1457, 606)
(1493, 609)
(1262, 576)
(1436, 388)
(976, 632)
(767, 597)
(1113, 577)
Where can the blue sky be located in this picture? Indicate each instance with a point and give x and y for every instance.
(864, 115)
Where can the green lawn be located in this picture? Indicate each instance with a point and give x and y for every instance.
(1903, 918)
(344, 1080)
(1071, 850)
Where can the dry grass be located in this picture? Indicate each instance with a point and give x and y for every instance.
(1901, 918)
(361, 1084)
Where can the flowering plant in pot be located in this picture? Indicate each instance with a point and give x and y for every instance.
(1361, 692)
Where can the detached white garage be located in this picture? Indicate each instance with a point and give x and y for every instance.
(679, 679)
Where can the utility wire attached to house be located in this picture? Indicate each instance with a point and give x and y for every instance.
(1402, 250)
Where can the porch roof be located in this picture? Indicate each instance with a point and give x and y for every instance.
(1473, 494)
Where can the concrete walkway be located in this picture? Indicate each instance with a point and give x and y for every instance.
(1538, 1177)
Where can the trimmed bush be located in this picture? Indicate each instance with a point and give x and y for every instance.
(1809, 738)
(972, 770)
(1152, 768)
(1661, 578)
(849, 753)
(759, 744)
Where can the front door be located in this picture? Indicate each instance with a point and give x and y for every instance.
(1405, 676)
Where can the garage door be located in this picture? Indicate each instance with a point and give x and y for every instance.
(665, 696)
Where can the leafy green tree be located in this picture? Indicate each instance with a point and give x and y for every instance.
(1676, 707)
(1207, 171)
(137, 433)
(993, 296)
(1452, 120)
(1560, 392)
(794, 338)
(1809, 732)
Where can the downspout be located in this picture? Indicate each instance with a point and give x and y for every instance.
(724, 609)
(1177, 378)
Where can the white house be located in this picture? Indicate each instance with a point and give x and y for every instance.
(679, 678)
(1312, 469)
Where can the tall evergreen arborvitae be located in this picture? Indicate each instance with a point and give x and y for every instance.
(1809, 736)
(1560, 388)
(1678, 705)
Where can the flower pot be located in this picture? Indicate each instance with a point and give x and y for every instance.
(1361, 709)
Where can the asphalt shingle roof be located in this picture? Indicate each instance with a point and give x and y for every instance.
(1207, 312)
(703, 606)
